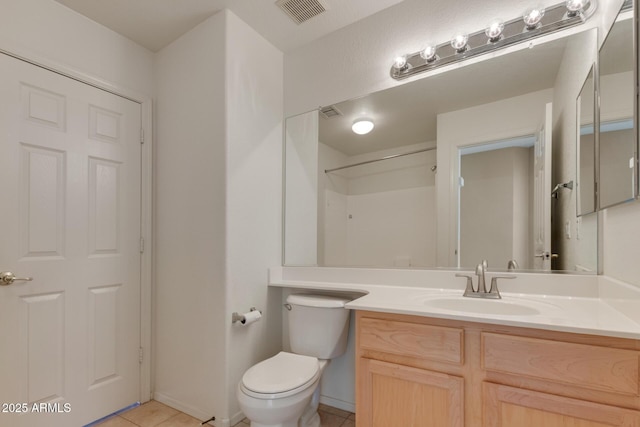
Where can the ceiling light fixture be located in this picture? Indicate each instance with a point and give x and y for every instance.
(499, 34)
(362, 126)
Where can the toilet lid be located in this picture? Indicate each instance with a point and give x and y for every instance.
(280, 373)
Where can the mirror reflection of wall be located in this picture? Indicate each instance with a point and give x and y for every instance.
(616, 133)
(496, 198)
(586, 147)
(401, 213)
(381, 213)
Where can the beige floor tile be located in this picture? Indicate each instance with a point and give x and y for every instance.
(330, 420)
(117, 422)
(180, 420)
(150, 414)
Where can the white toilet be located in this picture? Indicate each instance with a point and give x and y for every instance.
(284, 390)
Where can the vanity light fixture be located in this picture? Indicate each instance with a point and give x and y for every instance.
(574, 7)
(532, 18)
(494, 30)
(400, 63)
(362, 126)
(499, 34)
(429, 53)
(459, 42)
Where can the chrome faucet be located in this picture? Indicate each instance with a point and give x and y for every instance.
(481, 290)
(480, 269)
(512, 265)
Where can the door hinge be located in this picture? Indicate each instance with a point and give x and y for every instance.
(141, 136)
(140, 355)
(141, 244)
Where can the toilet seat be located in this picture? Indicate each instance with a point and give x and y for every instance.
(282, 375)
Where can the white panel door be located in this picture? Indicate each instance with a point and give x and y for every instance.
(69, 218)
(542, 195)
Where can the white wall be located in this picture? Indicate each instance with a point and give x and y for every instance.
(254, 197)
(380, 214)
(301, 187)
(191, 177)
(579, 56)
(513, 117)
(356, 59)
(219, 128)
(49, 31)
(494, 207)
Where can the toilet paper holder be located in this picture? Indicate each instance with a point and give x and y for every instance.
(237, 317)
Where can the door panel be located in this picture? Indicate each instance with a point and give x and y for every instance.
(70, 181)
(506, 406)
(397, 395)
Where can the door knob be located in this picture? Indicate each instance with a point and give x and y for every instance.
(7, 278)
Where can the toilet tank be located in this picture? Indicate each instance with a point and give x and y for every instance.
(318, 325)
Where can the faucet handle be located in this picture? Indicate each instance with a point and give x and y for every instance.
(494, 284)
(469, 289)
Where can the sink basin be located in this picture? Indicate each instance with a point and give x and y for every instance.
(483, 306)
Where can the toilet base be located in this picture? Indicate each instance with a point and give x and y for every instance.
(293, 423)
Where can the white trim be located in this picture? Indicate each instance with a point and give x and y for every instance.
(146, 188)
(235, 419)
(75, 74)
(190, 410)
(340, 404)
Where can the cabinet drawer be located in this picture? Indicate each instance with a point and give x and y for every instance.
(436, 343)
(589, 366)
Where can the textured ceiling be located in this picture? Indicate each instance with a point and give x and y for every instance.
(156, 23)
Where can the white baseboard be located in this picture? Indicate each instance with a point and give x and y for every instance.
(190, 410)
(235, 419)
(340, 404)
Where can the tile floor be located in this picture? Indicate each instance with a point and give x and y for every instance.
(155, 414)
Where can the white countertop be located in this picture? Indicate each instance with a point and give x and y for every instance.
(567, 303)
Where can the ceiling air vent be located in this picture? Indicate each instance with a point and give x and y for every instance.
(302, 10)
(330, 111)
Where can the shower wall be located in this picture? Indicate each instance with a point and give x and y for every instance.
(381, 214)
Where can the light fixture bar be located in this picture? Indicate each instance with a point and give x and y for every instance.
(555, 19)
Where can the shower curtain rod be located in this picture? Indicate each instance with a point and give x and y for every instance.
(393, 156)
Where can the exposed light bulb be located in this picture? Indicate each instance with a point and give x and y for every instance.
(494, 30)
(532, 17)
(362, 126)
(574, 6)
(459, 42)
(429, 53)
(400, 62)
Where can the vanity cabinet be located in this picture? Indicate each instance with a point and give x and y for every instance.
(420, 371)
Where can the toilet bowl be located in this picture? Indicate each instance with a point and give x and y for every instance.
(284, 390)
(279, 391)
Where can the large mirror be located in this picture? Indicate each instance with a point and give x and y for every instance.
(586, 158)
(460, 166)
(617, 137)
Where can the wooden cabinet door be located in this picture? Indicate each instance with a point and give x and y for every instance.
(505, 406)
(395, 395)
